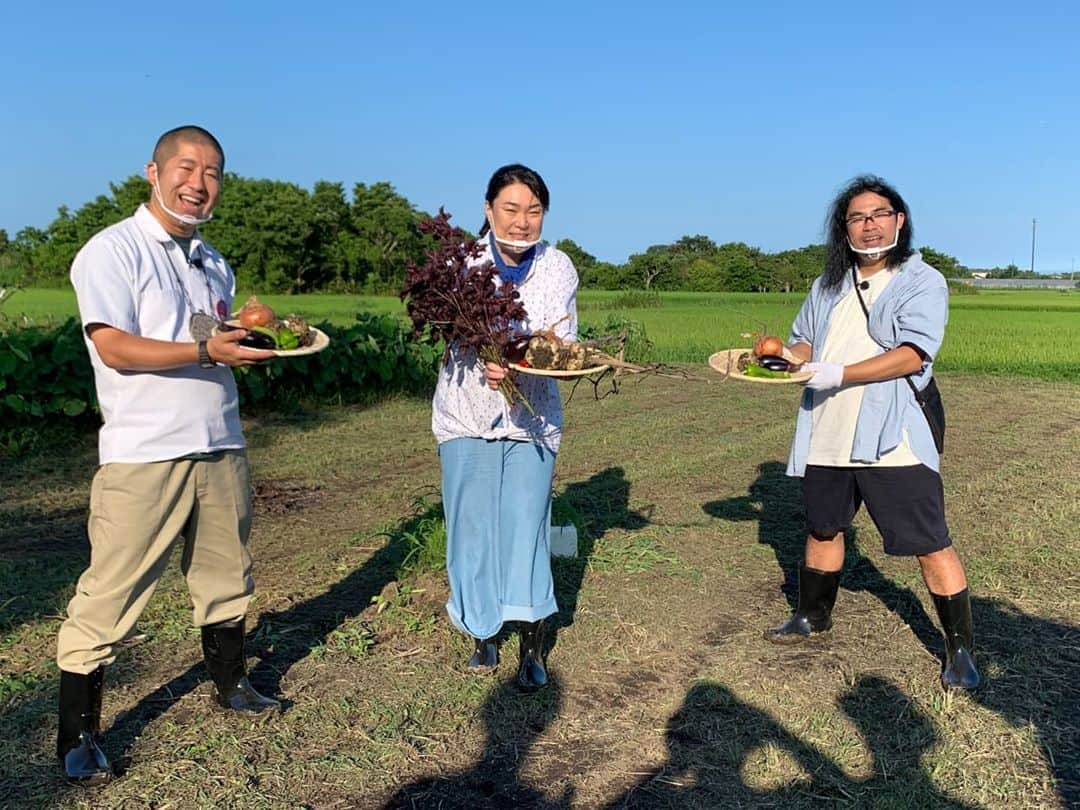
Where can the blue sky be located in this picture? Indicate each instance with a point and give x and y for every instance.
(648, 121)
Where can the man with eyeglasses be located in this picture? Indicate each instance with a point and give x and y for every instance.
(875, 317)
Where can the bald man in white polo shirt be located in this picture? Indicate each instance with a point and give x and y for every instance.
(173, 463)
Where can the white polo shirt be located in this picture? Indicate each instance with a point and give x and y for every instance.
(133, 276)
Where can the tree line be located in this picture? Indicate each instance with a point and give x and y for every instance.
(281, 238)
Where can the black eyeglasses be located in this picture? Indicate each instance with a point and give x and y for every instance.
(872, 217)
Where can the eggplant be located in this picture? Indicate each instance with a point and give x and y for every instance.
(773, 362)
(255, 338)
(258, 340)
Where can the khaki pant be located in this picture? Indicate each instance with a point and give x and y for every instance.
(137, 511)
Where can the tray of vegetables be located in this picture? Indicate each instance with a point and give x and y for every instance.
(548, 356)
(290, 336)
(771, 364)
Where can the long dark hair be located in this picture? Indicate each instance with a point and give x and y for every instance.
(839, 256)
(515, 173)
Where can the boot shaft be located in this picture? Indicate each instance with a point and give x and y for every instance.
(80, 698)
(954, 613)
(532, 638)
(817, 594)
(223, 651)
(80, 707)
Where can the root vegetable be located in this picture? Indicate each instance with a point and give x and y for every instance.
(255, 313)
(769, 345)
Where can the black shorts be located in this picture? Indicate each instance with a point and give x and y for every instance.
(907, 504)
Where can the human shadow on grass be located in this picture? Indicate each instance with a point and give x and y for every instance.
(281, 638)
(512, 724)
(603, 501)
(1030, 666)
(725, 753)
(774, 500)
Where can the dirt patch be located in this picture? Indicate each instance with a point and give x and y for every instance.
(664, 693)
(274, 497)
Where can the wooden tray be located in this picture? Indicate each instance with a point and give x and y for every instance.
(726, 362)
(565, 374)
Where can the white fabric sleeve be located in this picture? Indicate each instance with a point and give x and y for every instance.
(564, 301)
(102, 277)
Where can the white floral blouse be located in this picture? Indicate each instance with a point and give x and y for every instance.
(464, 406)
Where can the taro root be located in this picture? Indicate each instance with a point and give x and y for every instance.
(547, 352)
(299, 327)
(542, 352)
(577, 357)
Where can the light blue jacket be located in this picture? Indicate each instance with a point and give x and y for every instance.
(913, 308)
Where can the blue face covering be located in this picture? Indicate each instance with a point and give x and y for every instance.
(514, 274)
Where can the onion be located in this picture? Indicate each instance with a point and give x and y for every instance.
(255, 313)
(769, 345)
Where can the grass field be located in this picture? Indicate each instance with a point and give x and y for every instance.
(663, 693)
(1029, 333)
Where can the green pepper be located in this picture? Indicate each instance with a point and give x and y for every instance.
(287, 339)
(753, 370)
(265, 330)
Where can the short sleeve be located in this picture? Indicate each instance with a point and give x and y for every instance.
(921, 319)
(102, 277)
(802, 330)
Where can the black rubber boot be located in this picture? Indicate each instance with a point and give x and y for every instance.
(532, 675)
(955, 615)
(817, 595)
(223, 649)
(78, 739)
(485, 656)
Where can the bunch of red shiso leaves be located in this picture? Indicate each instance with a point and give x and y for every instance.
(462, 305)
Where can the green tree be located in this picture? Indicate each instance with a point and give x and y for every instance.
(741, 268)
(130, 193)
(583, 261)
(261, 227)
(695, 246)
(606, 276)
(330, 247)
(948, 266)
(657, 266)
(385, 226)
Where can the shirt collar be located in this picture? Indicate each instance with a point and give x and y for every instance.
(513, 273)
(149, 225)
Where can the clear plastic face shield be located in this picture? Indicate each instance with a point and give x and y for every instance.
(512, 245)
(876, 252)
(528, 206)
(185, 219)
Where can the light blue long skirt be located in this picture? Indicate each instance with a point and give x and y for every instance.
(497, 500)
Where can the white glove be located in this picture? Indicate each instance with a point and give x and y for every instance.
(827, 376)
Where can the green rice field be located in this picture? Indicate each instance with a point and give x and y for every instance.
(1030, 333)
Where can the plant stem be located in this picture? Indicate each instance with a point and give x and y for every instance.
(509, 389)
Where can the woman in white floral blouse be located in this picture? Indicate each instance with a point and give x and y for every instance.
(498, 460)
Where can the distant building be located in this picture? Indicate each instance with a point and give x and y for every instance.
(982, 282)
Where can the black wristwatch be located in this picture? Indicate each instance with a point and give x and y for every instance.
(204, 356)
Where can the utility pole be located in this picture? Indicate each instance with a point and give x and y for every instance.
(1032, 245)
